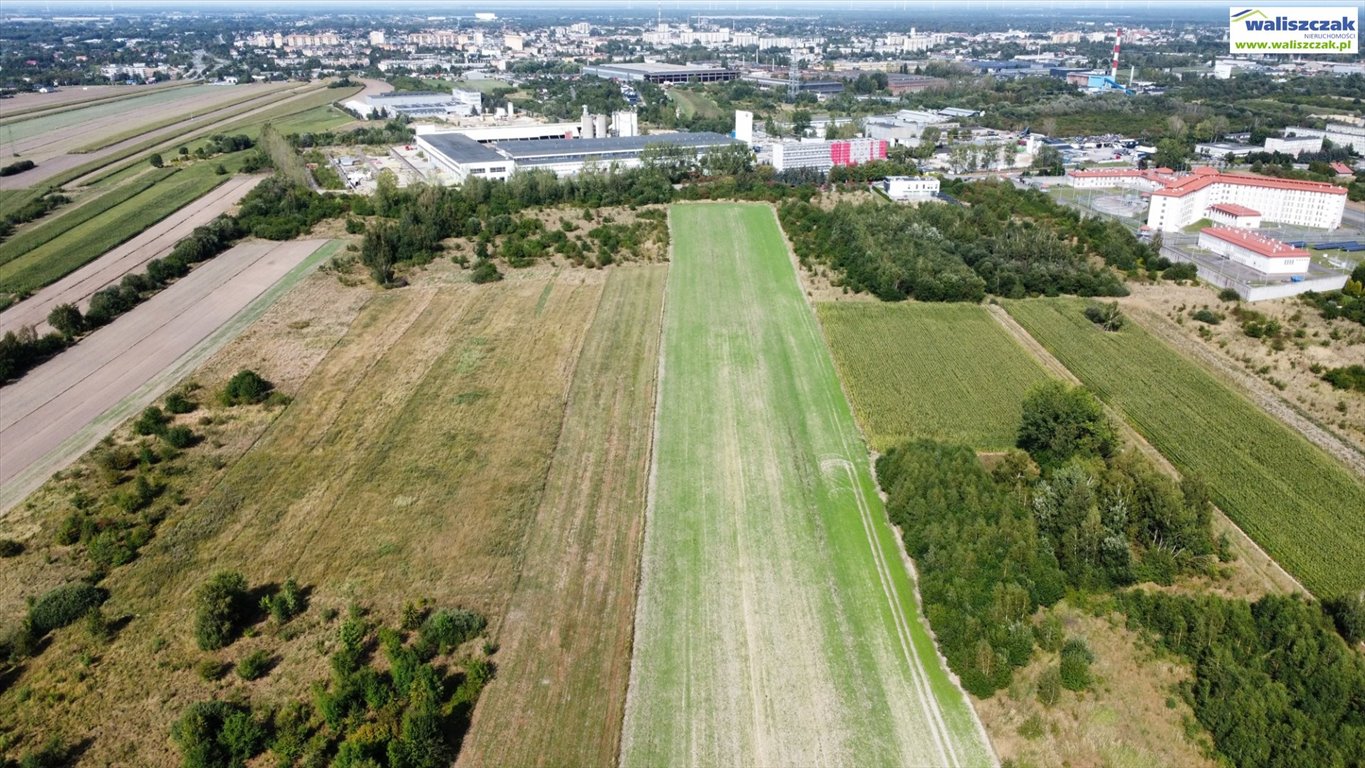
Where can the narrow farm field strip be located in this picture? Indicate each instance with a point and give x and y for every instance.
(26, 106)
(1299, 504)
(54, 125)
(85, 242)
(940, 371)
(152, 243)
(59, 398)
(55, 226)
(564, 646)
(777, 623)
(110, 140)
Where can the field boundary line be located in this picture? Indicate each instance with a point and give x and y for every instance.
(651, 496)
(1257, 559)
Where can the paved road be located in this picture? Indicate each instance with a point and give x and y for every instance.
(41, 412)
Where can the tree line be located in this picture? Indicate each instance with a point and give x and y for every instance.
(1007, 243)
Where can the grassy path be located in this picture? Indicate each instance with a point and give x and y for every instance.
(777, 623)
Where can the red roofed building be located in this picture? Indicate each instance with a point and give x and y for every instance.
(1259, 252)
(1128, 178)
(1343, 170)
(1234, 215)
(1188, 198)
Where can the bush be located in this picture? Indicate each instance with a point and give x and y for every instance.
(1060, 422)
(1106, 316)
(180, 437)
(1228, 294)
(64, 605)
(177, 403)
(485, 271)
(222, 606)
(246, 388)
(151, 422)
(1075, 665)
(11, 548)
(254, 665)
(444, 630)
(211, 670)
(285, 604)
(18, 166)
(1185, 270)
(217, 734)
(1049, 687)
(1206, 316)
(1349, 377)
(67, 319)
(1348, 614)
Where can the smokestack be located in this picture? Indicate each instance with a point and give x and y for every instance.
(585, 124)
(1114, 65)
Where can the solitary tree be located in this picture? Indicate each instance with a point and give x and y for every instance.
(67, 319)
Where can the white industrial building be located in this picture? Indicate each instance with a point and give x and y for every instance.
(1261, 253)
(457, 103)
(902, 188)
(463, 157)
(1189, 197)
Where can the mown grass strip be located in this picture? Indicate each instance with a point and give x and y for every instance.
(1302, 506)
(56, 227)
(81, 244)
(940, 371)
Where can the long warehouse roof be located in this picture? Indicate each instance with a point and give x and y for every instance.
(545, 147)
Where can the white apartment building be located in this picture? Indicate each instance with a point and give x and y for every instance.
(1293, 145)
(1188, 199)
(1261, 253)
(1340, 134)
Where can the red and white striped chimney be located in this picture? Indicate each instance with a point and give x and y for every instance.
(1114, 65)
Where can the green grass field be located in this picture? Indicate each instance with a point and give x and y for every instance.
(776, 622)
(1299, 504)
(942, 371)
(54, 227)
(80, 244)
(692, 103)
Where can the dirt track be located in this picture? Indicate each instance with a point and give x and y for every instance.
(77, 287)
(56, 401)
